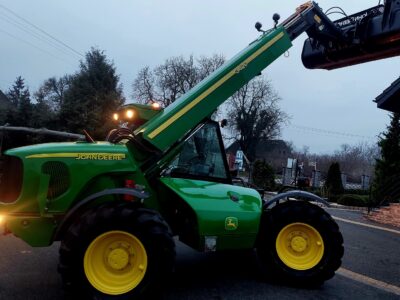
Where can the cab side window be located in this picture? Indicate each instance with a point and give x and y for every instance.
(201, 156)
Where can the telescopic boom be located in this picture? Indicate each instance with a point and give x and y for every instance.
(326, 37)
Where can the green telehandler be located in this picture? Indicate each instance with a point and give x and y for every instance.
(116, 205)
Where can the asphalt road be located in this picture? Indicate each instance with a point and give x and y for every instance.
(371, 270)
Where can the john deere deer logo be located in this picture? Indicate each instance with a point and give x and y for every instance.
(231, 223)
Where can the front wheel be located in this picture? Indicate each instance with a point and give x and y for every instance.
(299, 244)
(116, 250)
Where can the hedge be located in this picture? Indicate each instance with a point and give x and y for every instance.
(354, 200)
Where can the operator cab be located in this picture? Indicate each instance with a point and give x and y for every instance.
(202, 156)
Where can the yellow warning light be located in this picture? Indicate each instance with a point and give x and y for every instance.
(156, 105)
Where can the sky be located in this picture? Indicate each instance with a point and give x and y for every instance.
(326, 108)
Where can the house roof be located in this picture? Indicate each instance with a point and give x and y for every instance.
(390, 98)
(263, 146)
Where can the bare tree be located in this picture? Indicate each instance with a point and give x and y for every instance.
(357, 160)
(172, 79)
(144, 85)
(207, 65)
(254, 115)
(354, 160)
(253, 111)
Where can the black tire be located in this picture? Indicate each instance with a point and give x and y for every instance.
(282, 216)
(144, 224)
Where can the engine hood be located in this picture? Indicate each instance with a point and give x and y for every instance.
(75, 150)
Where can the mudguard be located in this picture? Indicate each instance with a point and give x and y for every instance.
(139, 196)
(295, 194)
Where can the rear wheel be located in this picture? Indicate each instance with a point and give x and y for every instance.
(116, 251)
(299, 244)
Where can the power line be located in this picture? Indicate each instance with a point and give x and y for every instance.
(330, 132)
(34, 46)
(41, 38)
(37, 35)
(41, 30)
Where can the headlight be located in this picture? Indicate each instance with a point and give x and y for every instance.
(115, 117)
(2, 219)
(130, 113)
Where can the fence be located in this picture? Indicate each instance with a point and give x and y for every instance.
(318, 180)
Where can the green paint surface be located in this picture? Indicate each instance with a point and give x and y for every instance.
(212, 205)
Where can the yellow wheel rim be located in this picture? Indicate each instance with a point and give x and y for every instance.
(115, 262)
(300, 246)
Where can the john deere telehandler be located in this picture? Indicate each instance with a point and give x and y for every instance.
(116, 206)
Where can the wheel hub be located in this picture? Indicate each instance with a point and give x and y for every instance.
(298, 244)
(118, 259)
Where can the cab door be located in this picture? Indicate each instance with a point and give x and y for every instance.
(227, 215)
(202, 156)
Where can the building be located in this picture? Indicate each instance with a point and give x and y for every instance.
(390, 98)
(274, 152)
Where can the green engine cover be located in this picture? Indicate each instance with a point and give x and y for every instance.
(58, 175)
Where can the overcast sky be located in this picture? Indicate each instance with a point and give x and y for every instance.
(137, 33)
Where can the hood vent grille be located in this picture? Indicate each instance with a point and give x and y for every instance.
(59, 178)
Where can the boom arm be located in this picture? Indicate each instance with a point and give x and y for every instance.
(199, 103)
